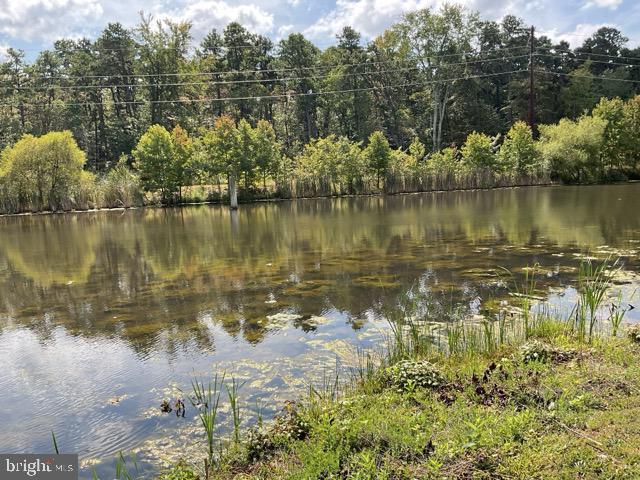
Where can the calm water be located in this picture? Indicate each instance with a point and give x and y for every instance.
(104, 315)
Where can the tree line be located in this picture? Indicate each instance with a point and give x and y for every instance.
(47, 172)
(436, 92)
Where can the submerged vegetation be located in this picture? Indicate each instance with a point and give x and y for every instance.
(499, 399)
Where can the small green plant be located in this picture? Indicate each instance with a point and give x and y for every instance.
(408, 375)
(122, 471)
(288, 426)
(525, 291)
(633, 332)
(232, 392)
(536, 350)
(206, 400)
(55, 443)
(593, 285)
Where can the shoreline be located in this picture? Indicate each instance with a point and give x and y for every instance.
(497, 412)
(275, 200)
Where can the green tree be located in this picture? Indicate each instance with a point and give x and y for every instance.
(225, 155)
(443, 162)
(247, 151)
(377, 155)
(612, 112)
(267, 151)
(183, 150)
(631, 134)
(43, 172)
(156, 160)
(572, 149)
(519, 150)
(437, 42)
(477, 152)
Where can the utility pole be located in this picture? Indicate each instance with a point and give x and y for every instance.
(532, 99)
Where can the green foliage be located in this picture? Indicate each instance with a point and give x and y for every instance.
(332, 165)
(266, 150)
(518, 152)
(42, 172)
(572, 149)
(538, 351)
(91, 87)
(377, 155)
(444, 162)
(407, 375)
(120, 187)
(157, 162)
(477, 152)
(633, 332)
(631, 134)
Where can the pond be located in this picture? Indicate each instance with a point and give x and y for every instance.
(104, 315)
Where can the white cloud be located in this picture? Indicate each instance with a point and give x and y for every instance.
(369, 17)
(284, 30)
(3, 52)
(46, 19)
(208, 14)
(612, 4)
(576, 37)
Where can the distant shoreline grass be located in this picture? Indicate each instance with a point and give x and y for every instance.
(524, 396)
(254, 201)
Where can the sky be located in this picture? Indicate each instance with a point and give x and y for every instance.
(35, 24)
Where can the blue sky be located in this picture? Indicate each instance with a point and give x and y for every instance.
(34, 24)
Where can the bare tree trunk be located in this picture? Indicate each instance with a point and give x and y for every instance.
(233, 192)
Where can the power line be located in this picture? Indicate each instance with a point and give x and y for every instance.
(244, 81)
(573, 52)
(266, 70)
(606, 62)
(267, 97)
(593, 77)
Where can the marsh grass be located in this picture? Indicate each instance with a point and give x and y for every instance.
(55, 443)
(594, 283)
(122, 469)
(232, 393)
(413, 333)
(206, 400)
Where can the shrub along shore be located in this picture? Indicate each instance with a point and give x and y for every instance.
(233, 162)
(524, 396)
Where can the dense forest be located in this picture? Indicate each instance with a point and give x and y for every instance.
(146, 106)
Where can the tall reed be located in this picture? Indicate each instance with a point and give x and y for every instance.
(232, 393)
(206, 400)
(594, 282)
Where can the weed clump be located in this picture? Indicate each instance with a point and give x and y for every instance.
(633, 332)
(409, 375)
(287, 427)
(536, 350)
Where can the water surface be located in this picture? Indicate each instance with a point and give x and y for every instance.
(103, 315)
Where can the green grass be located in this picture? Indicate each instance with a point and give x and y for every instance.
(496, 416)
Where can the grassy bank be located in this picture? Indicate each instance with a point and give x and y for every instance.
(526, 396)
(575, 415)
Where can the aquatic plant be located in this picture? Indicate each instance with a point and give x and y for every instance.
(525, 291)
(593, 285)
(55, 443)
(232, 392)
(122, 471)
(206, 400)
